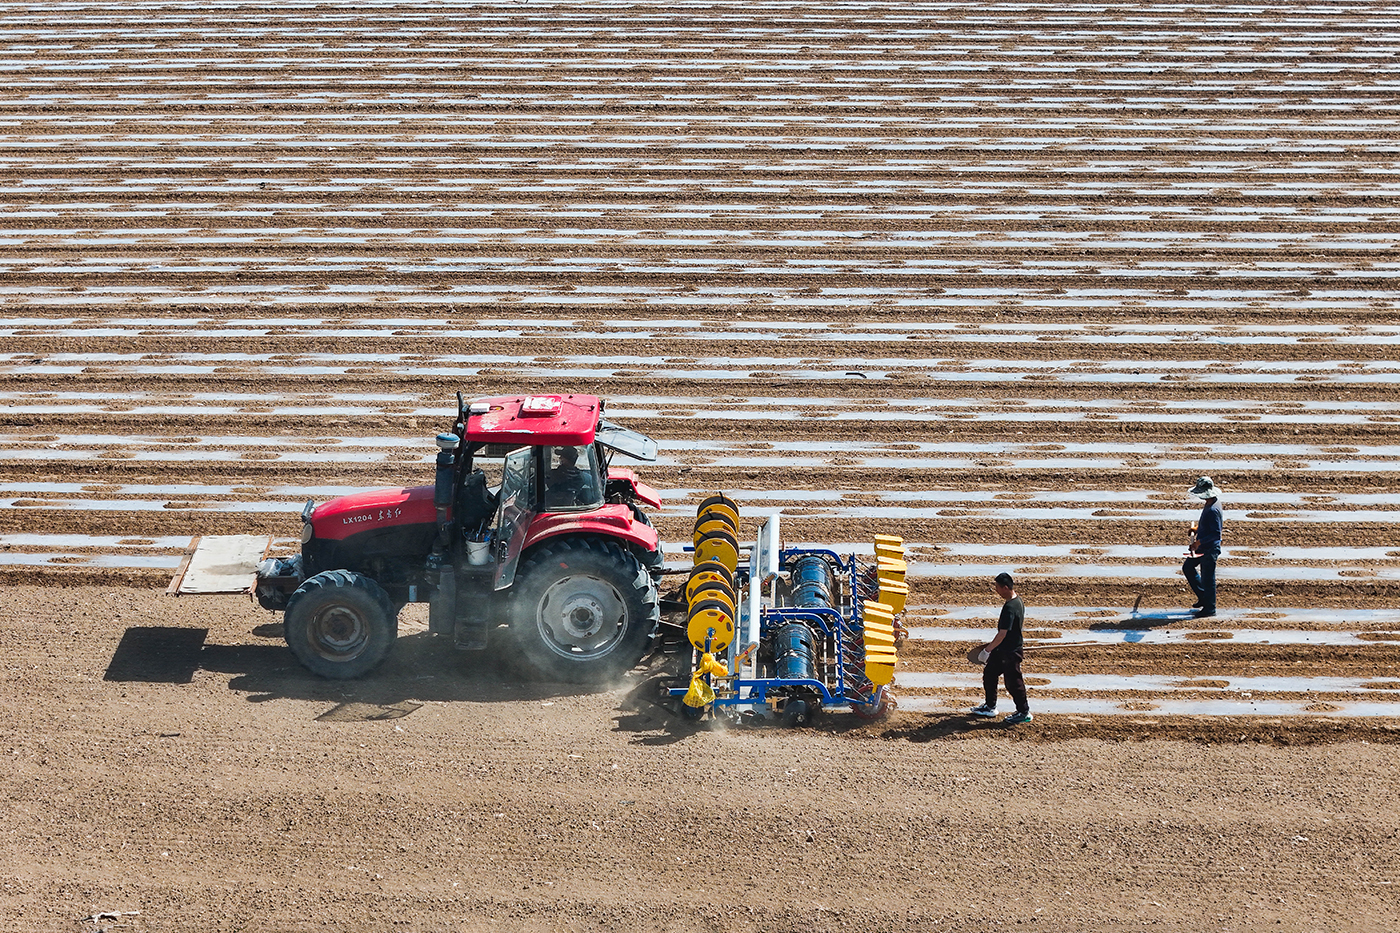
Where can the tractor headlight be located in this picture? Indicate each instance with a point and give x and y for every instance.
(307, 533)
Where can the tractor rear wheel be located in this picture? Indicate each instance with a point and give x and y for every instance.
(583, 611)
(340, 624)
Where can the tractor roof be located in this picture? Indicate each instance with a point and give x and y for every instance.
(556, 420)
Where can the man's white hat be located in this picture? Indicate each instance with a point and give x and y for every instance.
(1205, 488)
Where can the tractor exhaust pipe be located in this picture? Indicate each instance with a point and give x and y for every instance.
(441, 572)
(442, 488)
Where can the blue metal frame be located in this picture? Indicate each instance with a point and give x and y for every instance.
(841, 628)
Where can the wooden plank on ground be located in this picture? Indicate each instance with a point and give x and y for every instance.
(224, 564)
(174, 588)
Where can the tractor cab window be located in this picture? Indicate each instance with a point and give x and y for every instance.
(571, 478)
(493, 468)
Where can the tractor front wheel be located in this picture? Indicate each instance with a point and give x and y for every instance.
(340, 624)
(583, 611)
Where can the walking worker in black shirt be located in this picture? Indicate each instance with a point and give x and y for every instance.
(1003, 656)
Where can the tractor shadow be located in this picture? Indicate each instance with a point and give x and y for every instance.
(652, 716)
(420, 668)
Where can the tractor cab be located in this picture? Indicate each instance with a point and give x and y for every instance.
(528, 535)
(570, 446)
(545, 461)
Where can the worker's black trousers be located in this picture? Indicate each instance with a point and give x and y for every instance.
(1200, 576)
(1006, 664)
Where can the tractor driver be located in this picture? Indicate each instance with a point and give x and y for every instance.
(569, 485)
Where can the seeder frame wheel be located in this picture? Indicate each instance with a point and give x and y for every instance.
(881, 705)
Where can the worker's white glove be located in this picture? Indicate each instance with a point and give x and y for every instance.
(983, 655)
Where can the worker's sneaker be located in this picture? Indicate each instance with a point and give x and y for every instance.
(983, 710)
(1018, 717)
(1203, 613)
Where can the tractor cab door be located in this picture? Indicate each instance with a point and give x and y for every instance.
(513, 514)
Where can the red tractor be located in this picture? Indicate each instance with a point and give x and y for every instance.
(529, 540)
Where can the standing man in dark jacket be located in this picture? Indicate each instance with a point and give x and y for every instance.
(1199, 566)
(1003, 656)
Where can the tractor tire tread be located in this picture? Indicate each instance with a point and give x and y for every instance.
(527, 643)
(382, 635)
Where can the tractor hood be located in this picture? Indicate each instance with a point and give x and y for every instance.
(373, 509)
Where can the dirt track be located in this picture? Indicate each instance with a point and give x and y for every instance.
(1002, 280)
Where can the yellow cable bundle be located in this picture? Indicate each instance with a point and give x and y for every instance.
(700, 693)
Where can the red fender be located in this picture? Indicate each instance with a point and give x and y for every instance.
(640, 491)
(610, 521)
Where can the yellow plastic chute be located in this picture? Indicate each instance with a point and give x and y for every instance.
(879, 665)
(891, 569)
(878, 636)
(877, 610)
(894, 594)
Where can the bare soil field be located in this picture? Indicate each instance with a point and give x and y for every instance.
(1002, 280)
(216, 785)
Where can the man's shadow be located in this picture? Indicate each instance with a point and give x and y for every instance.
(1136, 625)
(935, 726)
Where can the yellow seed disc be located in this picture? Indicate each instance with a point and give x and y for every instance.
(704, 526)
(708, 616)
(720, 546)
(717, 590)
(719, 502)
